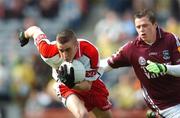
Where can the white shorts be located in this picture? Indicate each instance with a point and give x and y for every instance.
(171, 112)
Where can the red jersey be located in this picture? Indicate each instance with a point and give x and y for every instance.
(87, 54)
(160, 90)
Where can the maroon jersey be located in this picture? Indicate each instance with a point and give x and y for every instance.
(160, 90)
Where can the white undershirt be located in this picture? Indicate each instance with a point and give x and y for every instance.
(173, 70)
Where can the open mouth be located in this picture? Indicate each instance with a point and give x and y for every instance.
(143, 35)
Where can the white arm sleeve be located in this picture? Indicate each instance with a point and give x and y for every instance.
(173, 70)
(33, 31)
(104, 65)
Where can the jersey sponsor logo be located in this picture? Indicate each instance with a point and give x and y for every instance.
(91, 73)
(166, 54)
(142, 61)
(151, 75)
(153, 53)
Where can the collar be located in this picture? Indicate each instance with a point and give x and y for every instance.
(159, 33)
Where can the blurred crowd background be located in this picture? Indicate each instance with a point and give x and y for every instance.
(25, 80)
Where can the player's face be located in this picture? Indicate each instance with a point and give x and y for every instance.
(145, 29)
(68, 50)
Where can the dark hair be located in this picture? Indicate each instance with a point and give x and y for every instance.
(146, 12)
(66, 36)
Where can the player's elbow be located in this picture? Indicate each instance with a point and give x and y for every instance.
(33, 30)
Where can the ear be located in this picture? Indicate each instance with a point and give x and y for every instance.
(76, 43)
(156, 24)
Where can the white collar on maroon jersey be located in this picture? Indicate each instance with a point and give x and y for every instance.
(159, 34)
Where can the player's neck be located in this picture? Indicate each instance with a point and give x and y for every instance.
(149, 42)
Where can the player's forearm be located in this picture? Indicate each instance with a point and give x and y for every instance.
(104, 65)
(173, 70)
(33, 32)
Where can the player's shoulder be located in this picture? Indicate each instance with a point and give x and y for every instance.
(83, 40)
(171, 38)
(166, 35)
(87, 47)
(169, 35)
(53, 42)
(130, 44)
(85, 43)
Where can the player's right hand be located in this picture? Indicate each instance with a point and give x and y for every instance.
(156, 67)
(65, 77)
(22, 39)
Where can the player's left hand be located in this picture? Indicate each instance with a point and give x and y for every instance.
(67, 78)
(22, 39)
(156, 67)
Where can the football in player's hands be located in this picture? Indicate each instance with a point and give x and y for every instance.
(22, 39)
(71, 73)
(79, 69)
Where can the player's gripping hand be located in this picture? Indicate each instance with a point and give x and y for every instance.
(156, 67)
(22, 39)
(65, 77)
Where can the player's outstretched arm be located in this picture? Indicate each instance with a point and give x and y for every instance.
(158, 68)
(31, 32)
(173, 70)
(104, 66)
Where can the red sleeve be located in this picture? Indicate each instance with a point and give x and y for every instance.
(47, 50)
(92, 53)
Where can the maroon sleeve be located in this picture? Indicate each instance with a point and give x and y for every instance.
(120, 59)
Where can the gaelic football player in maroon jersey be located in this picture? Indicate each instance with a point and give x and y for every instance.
(155, 57)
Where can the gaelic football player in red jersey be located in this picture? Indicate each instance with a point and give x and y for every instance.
(80, 98)
(155, 57)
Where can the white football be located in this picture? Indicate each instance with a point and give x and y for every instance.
(79, 69)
